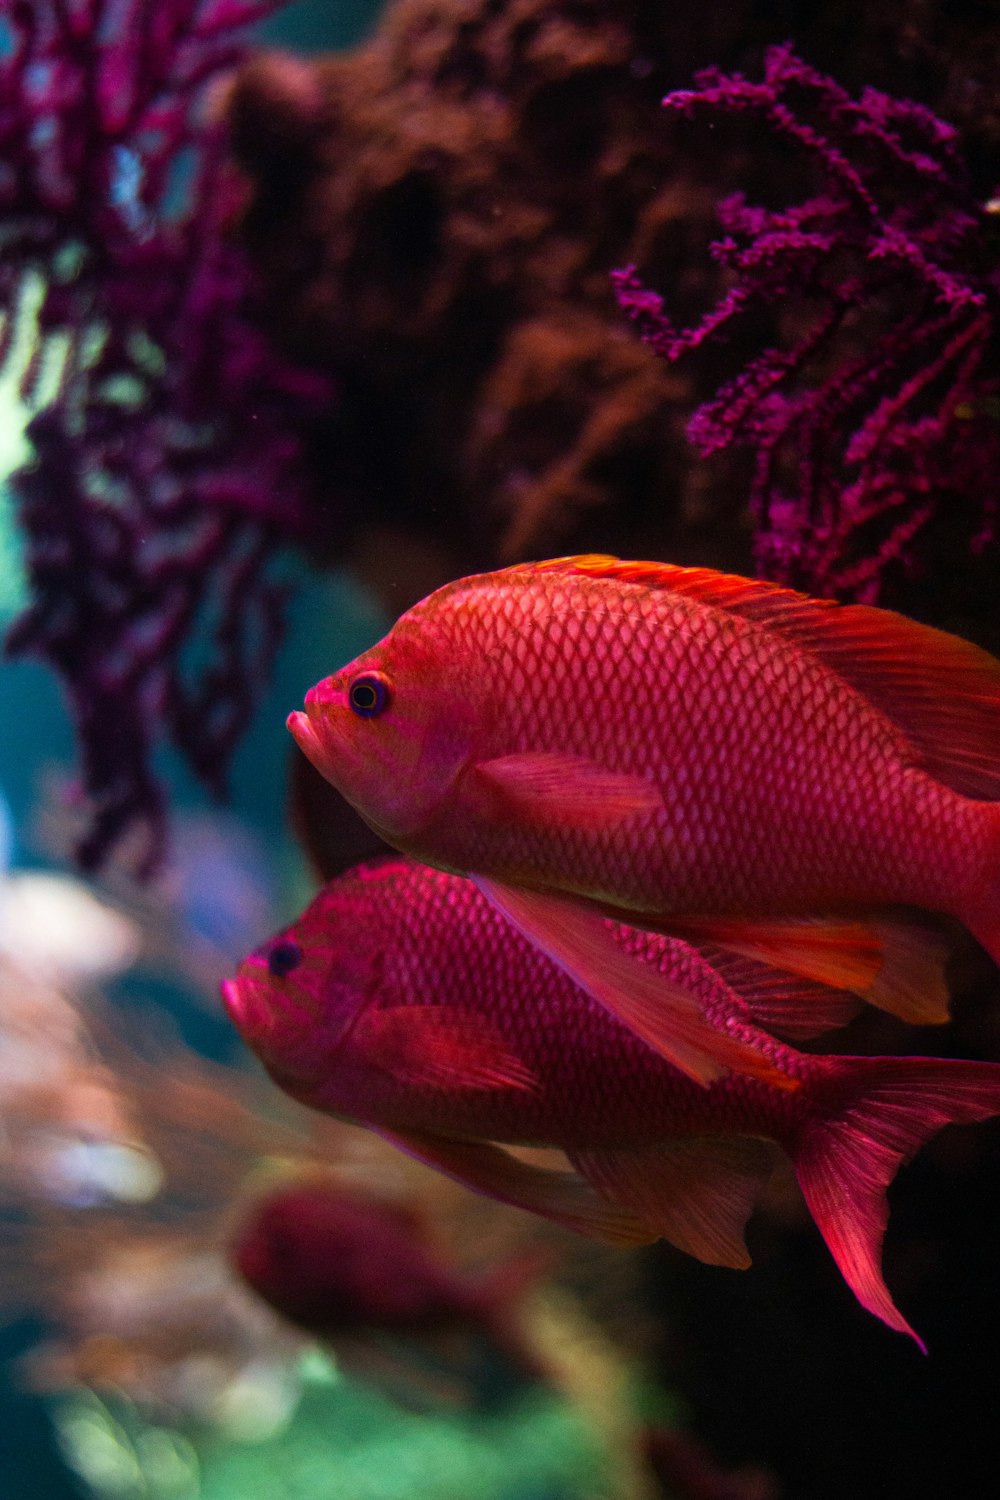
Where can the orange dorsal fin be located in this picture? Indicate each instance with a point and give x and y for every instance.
(730, 591)
(895, 965)
(941, 692)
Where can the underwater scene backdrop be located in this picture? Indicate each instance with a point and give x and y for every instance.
(305, 311)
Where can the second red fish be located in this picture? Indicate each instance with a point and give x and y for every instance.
(402, 1000)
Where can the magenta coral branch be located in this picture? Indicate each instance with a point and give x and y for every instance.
(875, 406)
(168, 470)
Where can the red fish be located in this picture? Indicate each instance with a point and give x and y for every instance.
(402, 1000)
(338, 1264)
(721, 758)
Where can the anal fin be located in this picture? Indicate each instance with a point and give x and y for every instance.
(696, 1191)
(562, 1197)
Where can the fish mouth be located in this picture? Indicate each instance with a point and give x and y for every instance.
(313, 735)
(274, 1038)
(250, 1010)
(238, 1001)
(303, 732)
(314, 729)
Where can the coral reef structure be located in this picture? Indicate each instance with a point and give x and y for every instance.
(166, 460)
(435, 217)
(877, 410)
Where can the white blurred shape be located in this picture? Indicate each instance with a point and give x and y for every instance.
(82, 1174)
(259, 1401)
(56, 930)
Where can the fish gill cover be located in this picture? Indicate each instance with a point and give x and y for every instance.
(876, 408)
(166, 466)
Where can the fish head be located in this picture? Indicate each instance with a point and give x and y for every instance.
(296, 998)
(263, 1249)
(297, 1248)
(394, 730)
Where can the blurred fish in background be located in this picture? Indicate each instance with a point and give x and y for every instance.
(335, 1264)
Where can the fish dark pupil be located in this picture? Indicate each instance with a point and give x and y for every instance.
(283, 958)
(368, 696)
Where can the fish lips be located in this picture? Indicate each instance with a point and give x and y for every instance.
(320, 732)
(305, 731)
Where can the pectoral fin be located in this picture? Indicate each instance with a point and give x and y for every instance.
(670, 1019)
(568, 789)
(440, 1048)
(560, 1196)
(697, 1192)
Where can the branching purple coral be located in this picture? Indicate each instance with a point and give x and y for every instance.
(875, 408)
(166, 469)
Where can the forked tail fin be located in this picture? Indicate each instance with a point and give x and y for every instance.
(880, 1111)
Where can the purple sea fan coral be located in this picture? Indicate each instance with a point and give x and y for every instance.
(167, 466)
(872, 416)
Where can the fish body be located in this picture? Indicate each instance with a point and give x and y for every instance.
(720, 758)
(403, 1000)
(410, 978)
(670, 741)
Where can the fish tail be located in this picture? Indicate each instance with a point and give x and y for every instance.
(875, 1115)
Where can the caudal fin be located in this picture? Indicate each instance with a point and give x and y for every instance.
(880, 1111)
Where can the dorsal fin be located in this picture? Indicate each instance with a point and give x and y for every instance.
(797, 1008)
(942, 692)
(723, 590)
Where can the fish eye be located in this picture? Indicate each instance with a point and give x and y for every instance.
(369, 695)
(283, 958)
